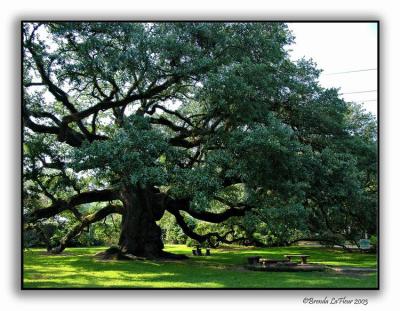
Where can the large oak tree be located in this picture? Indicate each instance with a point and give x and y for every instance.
(205, 120)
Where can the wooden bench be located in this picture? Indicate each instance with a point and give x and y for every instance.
(197, 251)
(303, 257)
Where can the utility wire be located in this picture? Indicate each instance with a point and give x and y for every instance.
(367, 100)
(358, 92)
(350, 71)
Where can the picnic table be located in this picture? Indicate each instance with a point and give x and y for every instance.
(303, 257)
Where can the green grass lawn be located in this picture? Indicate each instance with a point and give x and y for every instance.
(77, 268)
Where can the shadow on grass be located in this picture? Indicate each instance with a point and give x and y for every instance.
(224, 269)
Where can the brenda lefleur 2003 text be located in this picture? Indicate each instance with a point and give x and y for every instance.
(335, 301)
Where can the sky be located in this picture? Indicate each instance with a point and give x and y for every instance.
(339, 49)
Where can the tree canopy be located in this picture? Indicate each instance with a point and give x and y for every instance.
(210, 122)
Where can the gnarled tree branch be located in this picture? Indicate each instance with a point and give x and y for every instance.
(59, 206)
(212, 238)
(85, 222)
(183, 205)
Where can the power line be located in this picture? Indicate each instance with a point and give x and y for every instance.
(358, 92)
(350, 71)
(367, 100)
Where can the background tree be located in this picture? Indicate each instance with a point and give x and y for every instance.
(211, 122)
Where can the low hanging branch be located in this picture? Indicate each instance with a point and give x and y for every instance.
(61, 205)
(212, 238)
(85, 222)
(183, 205)
(176, 206)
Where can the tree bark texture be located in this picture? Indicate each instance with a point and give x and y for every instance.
(140, 235)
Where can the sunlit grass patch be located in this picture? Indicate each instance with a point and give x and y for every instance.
(78, 268)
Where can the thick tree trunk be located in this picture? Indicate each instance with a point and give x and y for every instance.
(140, 235)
